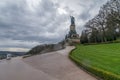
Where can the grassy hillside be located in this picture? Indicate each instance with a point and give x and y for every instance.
(102, 60)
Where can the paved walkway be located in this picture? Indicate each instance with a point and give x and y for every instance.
(50, 66)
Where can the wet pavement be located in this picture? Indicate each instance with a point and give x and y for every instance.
(50, 66)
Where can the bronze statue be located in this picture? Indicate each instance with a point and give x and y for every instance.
(72, 20)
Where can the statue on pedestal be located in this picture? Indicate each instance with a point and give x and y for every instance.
(72, 35)
(72, 32)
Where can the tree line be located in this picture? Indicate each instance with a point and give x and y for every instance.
(105, 26)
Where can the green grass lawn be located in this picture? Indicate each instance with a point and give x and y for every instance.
(105, 57)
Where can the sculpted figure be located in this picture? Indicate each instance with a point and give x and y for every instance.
(72, 20)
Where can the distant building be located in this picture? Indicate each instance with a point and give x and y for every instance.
(9, 56)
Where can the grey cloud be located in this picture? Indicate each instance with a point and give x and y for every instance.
(22, 27)
(90, 7)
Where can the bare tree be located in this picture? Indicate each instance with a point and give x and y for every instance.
(106, 24)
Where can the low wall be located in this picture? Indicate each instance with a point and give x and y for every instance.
(40, 49)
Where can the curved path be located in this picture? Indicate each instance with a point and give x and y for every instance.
(50, 66)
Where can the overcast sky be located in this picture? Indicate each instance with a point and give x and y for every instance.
(27, 23)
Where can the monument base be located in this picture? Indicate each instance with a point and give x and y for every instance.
(72, 41)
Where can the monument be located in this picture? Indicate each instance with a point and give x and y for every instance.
(72, 36)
